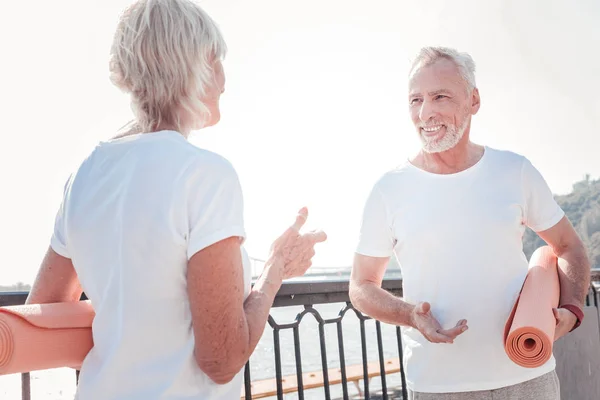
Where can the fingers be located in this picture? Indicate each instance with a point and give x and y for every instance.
(556, 315)
(306, 265)
(309, 254)
(300, 219)
(561, 328)
(316, 236)
(453, 332)
(435, 333)
(423, 308)
(438, 337)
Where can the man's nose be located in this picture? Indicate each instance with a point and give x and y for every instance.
(427, 111)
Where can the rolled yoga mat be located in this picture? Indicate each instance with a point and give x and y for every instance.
(529, 331)
(44, 336)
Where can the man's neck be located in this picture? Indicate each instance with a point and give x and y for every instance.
(459, 158)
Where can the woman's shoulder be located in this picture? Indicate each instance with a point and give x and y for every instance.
(209, 159)
(207, 165)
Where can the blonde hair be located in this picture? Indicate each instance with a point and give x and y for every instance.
(162, 54)
(464, 62)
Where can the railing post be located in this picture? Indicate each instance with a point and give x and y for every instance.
(247, 382)
(342, 358)
(381, 361)
(324, 360)
(401, 359)
(298, 355)
(278, 373)
(363, 342)
(25, 386)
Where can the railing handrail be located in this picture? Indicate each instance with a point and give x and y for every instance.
(298, 291)
(291, 293)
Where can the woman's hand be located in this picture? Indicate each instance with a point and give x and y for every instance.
(293, 250)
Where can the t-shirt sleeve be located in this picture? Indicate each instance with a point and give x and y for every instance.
(215, 206)
(541, 209)
(58, 240)
(375, 236)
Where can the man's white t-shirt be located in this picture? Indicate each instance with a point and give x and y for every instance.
(133, 214)
(458, 240)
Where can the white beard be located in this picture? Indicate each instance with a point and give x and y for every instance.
(447, 142)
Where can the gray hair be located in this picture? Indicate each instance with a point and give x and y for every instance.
(464, 62)
(162, 54)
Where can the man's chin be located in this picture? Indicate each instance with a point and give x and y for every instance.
(431, 144)
(438, 145)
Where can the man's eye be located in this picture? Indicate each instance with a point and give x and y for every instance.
(440, 96)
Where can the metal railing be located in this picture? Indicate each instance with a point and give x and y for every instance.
(308, 294)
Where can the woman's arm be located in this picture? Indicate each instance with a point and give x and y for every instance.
(56, 281)
(227, 328)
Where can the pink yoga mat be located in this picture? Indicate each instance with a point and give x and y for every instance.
(529, 331)
(43, 336)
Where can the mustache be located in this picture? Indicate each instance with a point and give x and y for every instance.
(430, 124)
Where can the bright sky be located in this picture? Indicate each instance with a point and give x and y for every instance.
(315, 107)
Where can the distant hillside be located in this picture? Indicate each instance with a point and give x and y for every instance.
(582, 206)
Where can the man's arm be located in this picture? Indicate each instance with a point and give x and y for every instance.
(574, 264)
(366, 294)
(541, 213)
(573, 273)
(368, 297)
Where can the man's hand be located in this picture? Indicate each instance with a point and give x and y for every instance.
(565, 321)
(424, 321)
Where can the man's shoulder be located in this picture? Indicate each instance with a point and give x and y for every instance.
(505, 157)
(505, 160)
(395, 182)
(396, 175)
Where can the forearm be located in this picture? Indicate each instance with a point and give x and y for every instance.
(38, 295)
(252, 323)
(574, 275)
(56, 281)
(258, 304)
(378, 303)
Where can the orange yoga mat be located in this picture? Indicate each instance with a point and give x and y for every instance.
(43, 336)
(529, 331)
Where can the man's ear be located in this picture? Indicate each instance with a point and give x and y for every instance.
(475, 101)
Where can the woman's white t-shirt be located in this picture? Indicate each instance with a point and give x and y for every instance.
(133, 213)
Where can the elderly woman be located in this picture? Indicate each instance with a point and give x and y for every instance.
(151, 228)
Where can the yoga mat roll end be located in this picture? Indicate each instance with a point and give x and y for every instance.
(6, 344)
(529, 330)
(35, 337)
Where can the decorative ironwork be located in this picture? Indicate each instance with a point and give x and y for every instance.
(308, 294)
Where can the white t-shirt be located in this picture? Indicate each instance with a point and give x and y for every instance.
(458, 240)
(133, 214)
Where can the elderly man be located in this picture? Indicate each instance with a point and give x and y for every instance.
(454, 216)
